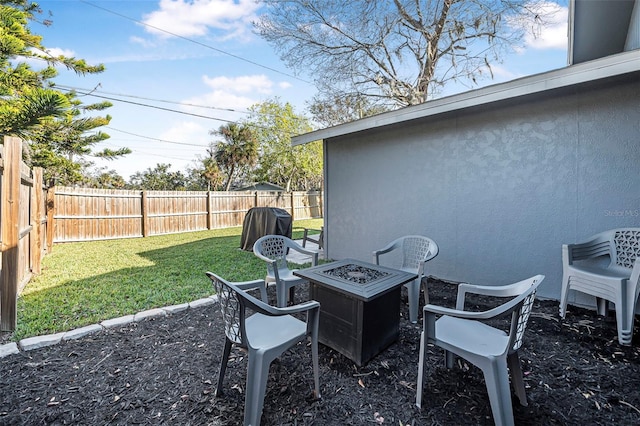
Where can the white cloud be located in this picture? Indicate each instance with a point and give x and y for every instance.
(57, 51)
(242, 84)
(53, 52)
(552, 33)
(185, 131)
(141, 41)
(196, 18)
(500, 73)
(230, 97)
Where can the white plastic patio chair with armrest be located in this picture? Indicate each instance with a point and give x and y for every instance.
(494, 351)
(273, 249)
(416, 251)
(266, 334)
(606, 266)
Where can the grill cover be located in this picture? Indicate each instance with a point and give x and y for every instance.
(261, 221)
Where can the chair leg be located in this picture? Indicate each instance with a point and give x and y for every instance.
(448, 359)
(602, 306)
(223, 365)
(257, 374)
(413, 289)
(426, 290)
(513, 361)
(292, 295)
(316, 369)
(496, 377)
(420, 381)
(564, 295)
(281, 295)
(630, 300)
(622, 314)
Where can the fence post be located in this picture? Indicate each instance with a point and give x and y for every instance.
(10, 220)
(293, 207)
(209, 210)
(143, 209)
(51, 210)
(36, 221)
(255, 202)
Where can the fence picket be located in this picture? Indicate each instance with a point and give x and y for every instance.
(165, 212)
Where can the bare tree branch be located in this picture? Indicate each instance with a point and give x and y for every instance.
(405, 51)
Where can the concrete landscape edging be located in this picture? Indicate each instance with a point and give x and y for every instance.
(36, 342)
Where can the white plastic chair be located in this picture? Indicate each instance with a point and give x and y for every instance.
(494, 351)
(607, 267)
(273, 249)
(416, 251)
(266, 334)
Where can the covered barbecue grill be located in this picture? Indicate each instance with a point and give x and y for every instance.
(261, 221)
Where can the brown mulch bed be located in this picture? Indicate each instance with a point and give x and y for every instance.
(164, 370)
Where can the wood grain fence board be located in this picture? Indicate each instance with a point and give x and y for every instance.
(130, 214)
(10, 224)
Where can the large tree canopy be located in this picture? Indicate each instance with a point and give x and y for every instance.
(236, 153)
(57, 126)
(26, 94)
(401, 51)
(294, 168)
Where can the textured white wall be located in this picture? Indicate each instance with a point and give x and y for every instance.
(500, 189)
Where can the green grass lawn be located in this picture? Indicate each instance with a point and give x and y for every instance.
(85, 283)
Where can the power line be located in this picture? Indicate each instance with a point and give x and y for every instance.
(156, 139)
(195, 42)
(92, 91)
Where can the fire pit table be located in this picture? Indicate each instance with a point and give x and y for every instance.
(359, 306)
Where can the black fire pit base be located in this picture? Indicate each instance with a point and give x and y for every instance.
(356, 328)
(359, 306)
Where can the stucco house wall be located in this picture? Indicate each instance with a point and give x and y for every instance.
(500, 186)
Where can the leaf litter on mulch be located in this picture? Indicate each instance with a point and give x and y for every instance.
(164, 371)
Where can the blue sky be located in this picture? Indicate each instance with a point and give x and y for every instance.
(176, 54)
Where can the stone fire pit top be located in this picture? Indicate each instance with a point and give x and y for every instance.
(356, 273)
(356, 278)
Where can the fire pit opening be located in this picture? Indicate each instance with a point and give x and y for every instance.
(356, 273)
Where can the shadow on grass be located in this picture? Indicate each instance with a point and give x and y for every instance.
(174, 274)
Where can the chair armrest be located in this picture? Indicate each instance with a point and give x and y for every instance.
(265, 258)
(255, 284)
(300, 307)
(313, 253)
(386, 249)
(288, 310)
(298, 247)
(599, 245)
(457, 313)
(498, 311)
(510, 290)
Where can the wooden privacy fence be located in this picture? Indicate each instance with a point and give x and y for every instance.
(22, 207)
(81, 214)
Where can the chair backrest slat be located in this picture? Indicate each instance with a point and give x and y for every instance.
(522, 312)
(232, 310)
(275, 248)
(416, 250)
(627, 245)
